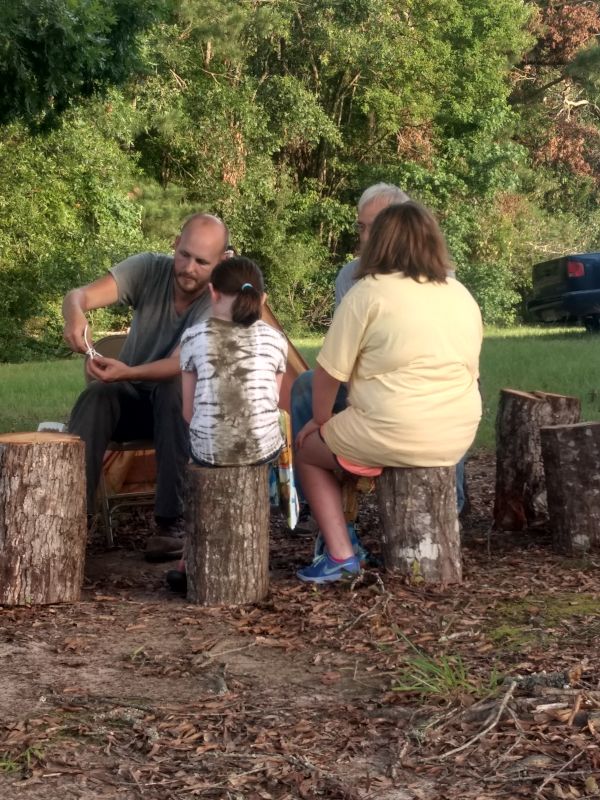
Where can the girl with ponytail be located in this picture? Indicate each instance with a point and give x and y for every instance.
(232, 368)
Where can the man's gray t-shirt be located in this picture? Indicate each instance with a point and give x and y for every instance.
(145, 282)
(345, 279)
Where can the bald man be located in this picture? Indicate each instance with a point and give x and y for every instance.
(139, 395)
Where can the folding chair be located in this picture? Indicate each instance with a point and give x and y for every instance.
(117, 488)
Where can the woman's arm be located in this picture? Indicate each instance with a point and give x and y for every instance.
(325, 389)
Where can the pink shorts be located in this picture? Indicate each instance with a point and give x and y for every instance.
(356, 469)
(359, 469)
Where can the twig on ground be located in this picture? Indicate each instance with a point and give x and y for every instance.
(382, 600)
(485, 731)
(551, 777)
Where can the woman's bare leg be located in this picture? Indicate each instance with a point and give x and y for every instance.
(315, 464)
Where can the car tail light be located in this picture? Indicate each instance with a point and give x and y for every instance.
(575, 269)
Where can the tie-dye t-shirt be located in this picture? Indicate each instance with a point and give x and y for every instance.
(236, 416)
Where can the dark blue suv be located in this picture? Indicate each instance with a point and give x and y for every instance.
(567, 289)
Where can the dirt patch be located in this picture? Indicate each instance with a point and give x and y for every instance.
(133, 693)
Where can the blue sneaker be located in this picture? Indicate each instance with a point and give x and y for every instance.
(360, 551)
(325, 570)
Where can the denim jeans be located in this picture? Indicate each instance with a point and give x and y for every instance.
(301, 407)
(301, 413)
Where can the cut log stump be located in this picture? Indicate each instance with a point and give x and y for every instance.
(227, 527)
(420, 531)
(572, 465)
(43, 526)
(520, 498)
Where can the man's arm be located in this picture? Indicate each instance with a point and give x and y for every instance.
(110, 370)
(77, 302)
(99, 294)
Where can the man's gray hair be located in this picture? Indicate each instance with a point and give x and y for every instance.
(384, 190)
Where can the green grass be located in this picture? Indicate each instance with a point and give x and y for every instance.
(37, 392)
(309, 347)
(439, 676)
(558, 360)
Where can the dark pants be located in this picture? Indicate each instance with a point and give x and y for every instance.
(124, 411)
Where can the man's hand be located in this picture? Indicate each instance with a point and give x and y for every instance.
(310, 427)
(74, 333)
(108, 370)
(77, 302)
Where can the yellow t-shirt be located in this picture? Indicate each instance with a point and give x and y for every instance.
(410, 354)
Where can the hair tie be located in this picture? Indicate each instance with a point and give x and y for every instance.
(246, 285)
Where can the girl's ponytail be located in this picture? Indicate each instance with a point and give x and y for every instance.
(242, 278)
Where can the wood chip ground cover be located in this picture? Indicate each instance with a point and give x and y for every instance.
(377, 689)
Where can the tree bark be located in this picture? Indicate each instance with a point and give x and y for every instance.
(227, 526)
(520, 499)
(571, 456)
(420, 531)
(43, 526)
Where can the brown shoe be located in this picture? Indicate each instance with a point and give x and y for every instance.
(163, 548)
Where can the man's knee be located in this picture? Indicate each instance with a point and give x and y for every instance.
(170, 428)
(166, 396)
(95, 396)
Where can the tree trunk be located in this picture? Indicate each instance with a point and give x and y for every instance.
(42, 518)
(227, 525)
(420, 531)
(572, 465)
(520, 499)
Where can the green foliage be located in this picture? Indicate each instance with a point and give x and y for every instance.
(55, 51)
(66, 217)
(490, 285)
(277, 116)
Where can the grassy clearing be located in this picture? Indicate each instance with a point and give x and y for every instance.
(544, 359)
(548, 359)
(39, 391)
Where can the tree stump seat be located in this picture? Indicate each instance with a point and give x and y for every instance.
(520, 496)
(43, 527)
(420, 534)
(227, 525)
(571, 456)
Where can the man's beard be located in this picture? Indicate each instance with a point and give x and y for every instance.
(190, 284)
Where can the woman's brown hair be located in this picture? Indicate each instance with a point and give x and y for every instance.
(241, 277)
(406, 238)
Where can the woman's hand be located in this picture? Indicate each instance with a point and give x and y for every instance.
(310, 427)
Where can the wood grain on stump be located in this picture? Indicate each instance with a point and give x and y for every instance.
(43, 526)
(520, 496)
(227, 526)
(572, 466)
(420, 531)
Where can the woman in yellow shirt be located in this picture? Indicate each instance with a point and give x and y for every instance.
(406, 338)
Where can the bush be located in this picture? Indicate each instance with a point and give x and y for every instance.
(491, 286)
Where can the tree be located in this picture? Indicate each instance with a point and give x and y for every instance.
(53, 52)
